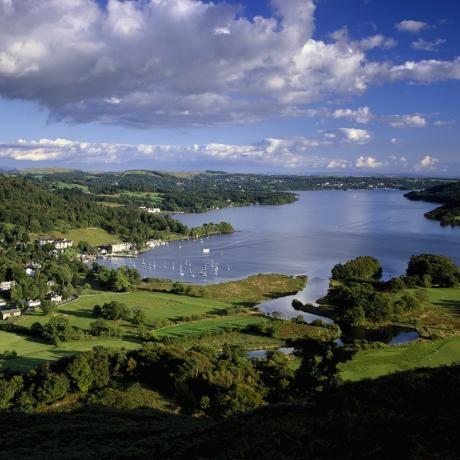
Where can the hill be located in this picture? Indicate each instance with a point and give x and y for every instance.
(407, 415)
(446, 194)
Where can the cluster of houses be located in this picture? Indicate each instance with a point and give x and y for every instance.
(59, 244)
(150, 210)
(6, 313)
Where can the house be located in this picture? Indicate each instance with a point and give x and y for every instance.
(2, 303)
(32, 304)
(63, 244)
(150, 210)
(7, 285)
(56, 298)
(30, 272)
(59, 244)
(115, 247)
(11, 313)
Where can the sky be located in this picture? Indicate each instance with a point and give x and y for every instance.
(270, 86)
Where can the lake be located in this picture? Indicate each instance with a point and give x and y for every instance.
(307, 237)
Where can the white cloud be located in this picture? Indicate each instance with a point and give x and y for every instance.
(338, 164)
(360, 115)
(407, 121)
(185, 62)
(356, 135)
(426, 45)
(368, 162)
(428, 161)
(411, 26)
(283, 153)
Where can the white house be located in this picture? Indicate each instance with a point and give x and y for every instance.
(59, 244)
(33, 304)
(120, 247)
(56, 298)
(2, 303)
(11, 313)
(7, 285)
(151, 210)
(30, 272)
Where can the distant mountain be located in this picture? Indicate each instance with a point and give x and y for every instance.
(37, 171)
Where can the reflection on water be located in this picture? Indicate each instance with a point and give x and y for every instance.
(389, 335)
(306, 237)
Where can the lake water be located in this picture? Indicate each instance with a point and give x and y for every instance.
(307, 237)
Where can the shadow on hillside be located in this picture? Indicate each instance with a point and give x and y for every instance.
(80, 313)
(411, 414)
(453, 306)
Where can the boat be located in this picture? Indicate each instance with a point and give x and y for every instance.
(205, 250)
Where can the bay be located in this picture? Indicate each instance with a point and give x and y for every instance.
(307, 237)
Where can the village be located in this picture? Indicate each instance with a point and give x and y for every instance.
(14, 308)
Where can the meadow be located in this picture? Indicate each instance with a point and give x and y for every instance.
(442, 317)
(92, 235)
(216, 323)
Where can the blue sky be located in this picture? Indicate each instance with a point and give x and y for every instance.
(292, 86)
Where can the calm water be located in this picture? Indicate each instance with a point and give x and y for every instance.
(306, 237)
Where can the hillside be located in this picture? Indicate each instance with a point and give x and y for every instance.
(407, 415)
(446, 194)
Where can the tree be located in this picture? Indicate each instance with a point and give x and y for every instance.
(113, 311)
(318, 370)
(441, 269)
(364, 267)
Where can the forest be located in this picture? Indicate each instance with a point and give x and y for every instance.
(446, 194)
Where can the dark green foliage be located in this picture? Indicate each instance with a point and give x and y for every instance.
(103, 328)
(447, 194)
(56, 330)
(318, 369)
(361, 268)
(113, 311)
(440, 270)
(357, 302)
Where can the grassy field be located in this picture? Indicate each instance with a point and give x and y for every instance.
(157, 306)
(375, 363)
(32, 352)
(69, 185)
(443, 317)
(152, 197)
(250, 291)
(196, 328)
(94, 236)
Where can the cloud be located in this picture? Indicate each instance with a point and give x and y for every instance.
(356, 135)
(282, 153)
(367, 163)
(428, 162)
(426, 45)
(338, 164)
(292, 155)
(411, 26)
(185, 62)
(360, 115)
(407, 121)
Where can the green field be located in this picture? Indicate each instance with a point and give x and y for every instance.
(152, 197)
(70, 185)
(32, 352)
(375, 363)
(94, 236)
(196, 328)
(444, 315)
(157, 306)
